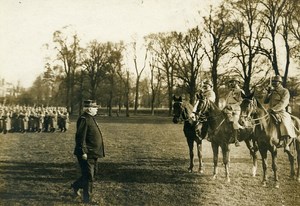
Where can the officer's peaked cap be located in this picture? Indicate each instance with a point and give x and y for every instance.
(89, 103)
(277, 78)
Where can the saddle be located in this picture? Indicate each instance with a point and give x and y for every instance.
(277, 121)
(276, 118)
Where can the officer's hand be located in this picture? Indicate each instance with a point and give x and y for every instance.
(270, 89)
(84, 156)
(193, 116)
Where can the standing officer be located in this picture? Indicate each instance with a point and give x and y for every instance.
(89, 147)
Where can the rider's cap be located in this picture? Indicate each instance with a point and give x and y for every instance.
(236, 79)
(277, 78)
(90, 103)
(208, 82)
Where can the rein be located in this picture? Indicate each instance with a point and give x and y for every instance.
(204, 109)
(184, 113)
(253, 120)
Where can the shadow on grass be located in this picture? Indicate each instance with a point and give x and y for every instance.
(146, 171)
(36, 181)
(136, 119)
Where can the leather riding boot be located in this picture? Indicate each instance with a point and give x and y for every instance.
(75, 187)
(287, 142)
(236, 141)
(87, 193)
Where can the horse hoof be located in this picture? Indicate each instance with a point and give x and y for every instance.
(200, 171)
(214, 177)
(264, 184)
(190, 170)
(228, 180)
(276, 186)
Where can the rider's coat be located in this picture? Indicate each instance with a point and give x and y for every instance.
(232, 108)
(278, 100)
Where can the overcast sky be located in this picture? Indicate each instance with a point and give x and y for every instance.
(26, 25)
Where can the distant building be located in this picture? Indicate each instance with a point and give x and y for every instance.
(9, 89)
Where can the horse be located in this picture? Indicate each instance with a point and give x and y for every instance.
(220, 133)
(268, 137)
(182, 111)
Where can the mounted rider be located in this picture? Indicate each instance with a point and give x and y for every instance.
(232, 108)
(278, 99)
(207, 92)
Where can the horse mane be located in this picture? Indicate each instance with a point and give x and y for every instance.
(260, 105)
(188, 106)
(214, 106)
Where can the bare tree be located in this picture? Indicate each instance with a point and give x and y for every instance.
(190, 57)
(95, 63)
(294, 28)
(220, 33)
(138, 71)
(271, 13)
(114, 65)
(125, 78)
(68, 54)
(162, 46)
(248, 32)
(155, 81)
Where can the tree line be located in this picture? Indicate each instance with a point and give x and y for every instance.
(251, 39)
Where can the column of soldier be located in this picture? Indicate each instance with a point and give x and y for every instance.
(23, 119)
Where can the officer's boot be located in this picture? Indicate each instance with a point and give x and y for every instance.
(236, 141)
(287, 142)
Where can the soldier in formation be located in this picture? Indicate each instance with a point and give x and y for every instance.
(33, 119)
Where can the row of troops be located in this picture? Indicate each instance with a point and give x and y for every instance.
(33, 119)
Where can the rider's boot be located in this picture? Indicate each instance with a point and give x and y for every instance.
(287, 142)
(236, 141)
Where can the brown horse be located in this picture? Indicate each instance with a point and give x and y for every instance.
(220, 131)
(267, 134)
(182, 112)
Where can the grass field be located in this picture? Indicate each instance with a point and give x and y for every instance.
(146, 164)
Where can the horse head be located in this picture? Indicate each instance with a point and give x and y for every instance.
(177, 109)
(182, 110)
(248, 108)
(203, 104)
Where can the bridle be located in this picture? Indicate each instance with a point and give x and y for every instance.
(202, 111)
(251, 113)
(181, 113)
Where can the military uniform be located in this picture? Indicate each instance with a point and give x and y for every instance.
(278, 100)
(233, 108)
(208, 93)
(89, 141)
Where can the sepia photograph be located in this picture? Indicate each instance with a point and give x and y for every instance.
(150, 102)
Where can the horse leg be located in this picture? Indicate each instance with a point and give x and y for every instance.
(225, 152)
(254, 162)
(298, 159)
(191, 153)
(253, 155)
(292, 162)
(199, 151)
(264, 157)
(215, 148)
(274, 166)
